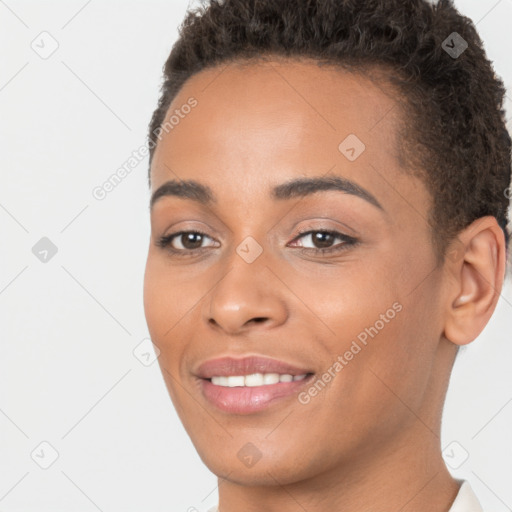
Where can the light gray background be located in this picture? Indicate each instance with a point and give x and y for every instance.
(68, 374)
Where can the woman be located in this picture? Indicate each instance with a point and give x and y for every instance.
(328, 227)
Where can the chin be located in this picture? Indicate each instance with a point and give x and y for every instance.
(251, 466)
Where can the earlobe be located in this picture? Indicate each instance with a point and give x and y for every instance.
(477, 274)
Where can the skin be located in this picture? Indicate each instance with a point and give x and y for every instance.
(369, 441)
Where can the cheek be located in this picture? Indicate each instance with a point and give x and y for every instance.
(165, 305)
(155, 299)
(167, 297)
(398, 360)
(347, 299)
(385, 334)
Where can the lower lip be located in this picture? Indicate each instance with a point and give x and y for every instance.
(246, 400)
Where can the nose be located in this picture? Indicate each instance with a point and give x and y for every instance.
(248, 295)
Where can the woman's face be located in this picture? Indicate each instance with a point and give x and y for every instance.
(363, 319)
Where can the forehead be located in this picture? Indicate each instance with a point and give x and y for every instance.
(265, 122)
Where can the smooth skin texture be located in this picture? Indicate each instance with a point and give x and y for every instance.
(370, 440)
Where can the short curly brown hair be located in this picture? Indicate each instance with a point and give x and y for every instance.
(453, 124)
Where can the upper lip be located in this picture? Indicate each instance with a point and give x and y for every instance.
(229, 366)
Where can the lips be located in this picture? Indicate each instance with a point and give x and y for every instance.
(246, 398)
(230, 366)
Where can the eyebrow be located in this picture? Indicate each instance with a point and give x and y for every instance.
(299, 187)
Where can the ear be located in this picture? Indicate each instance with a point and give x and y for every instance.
(475, 264)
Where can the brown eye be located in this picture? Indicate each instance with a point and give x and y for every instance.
(190, 240)
(322, 241)
(183, 241)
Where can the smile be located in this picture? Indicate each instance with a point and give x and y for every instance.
(253, 393)
(254, 379)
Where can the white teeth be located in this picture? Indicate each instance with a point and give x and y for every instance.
(238, 380)
(222, 381)
(270, 378)
(255, 379)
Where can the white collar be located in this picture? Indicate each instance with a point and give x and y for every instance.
(465, 501)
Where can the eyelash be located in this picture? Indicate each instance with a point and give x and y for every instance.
(348, 241)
